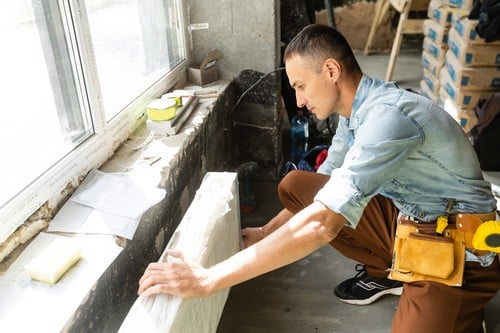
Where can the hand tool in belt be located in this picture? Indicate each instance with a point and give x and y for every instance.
(442, 221)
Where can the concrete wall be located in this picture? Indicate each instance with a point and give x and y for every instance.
(248, 35)
(247, 32)
(185, 159)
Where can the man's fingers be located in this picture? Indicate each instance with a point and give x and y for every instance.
(176, 254)
(161, 266)
(154, 290)
(156, 277)
(175, 279)
(176, 276)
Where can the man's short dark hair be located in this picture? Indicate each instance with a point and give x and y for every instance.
(318, 43)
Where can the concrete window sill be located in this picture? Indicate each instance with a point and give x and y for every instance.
(179, 163)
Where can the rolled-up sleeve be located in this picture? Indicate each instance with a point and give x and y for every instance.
(383, 140)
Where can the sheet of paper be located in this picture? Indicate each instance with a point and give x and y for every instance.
(73, 217)
(32, 306)
(108, 203)
(124, 193)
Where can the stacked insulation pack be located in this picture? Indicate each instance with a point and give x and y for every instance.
(436, 30)
(460, 68)
(472, 70)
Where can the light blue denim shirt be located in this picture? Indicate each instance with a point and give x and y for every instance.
(400, 145)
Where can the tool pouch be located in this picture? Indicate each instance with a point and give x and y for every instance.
(419, 255)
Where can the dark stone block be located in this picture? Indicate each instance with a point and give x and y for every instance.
(255, 130)
(264, 92)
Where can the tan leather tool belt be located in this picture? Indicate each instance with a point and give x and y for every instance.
(420, 254)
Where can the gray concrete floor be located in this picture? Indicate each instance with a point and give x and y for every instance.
(298, 298)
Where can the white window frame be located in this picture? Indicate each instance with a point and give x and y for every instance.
(50, 186)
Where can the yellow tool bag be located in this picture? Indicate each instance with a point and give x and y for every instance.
(420, 255)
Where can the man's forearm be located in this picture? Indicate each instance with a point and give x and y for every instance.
(280, 219)
(306, 232)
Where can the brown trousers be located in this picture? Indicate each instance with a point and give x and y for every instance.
(424, 307)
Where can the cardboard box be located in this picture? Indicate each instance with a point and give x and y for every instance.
(463, 99)
(432, 64)
(465, 118)
(436, 32)
(427, 92)
(440, 12)
(466, 28)
(472, 78)
(432, 82)
(461, 4)
(438, 51)
(206, 72)
(474, 55)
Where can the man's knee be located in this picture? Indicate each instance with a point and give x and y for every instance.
(286, 186)
(298, 188)
(286, 189)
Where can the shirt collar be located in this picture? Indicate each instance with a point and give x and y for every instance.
(361, 93)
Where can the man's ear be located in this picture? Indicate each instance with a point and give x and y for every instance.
(333, 69)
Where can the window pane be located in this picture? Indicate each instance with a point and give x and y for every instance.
(135, 43)
(42, 115)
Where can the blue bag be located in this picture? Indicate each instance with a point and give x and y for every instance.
(307, 162)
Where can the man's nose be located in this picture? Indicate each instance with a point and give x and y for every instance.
(301, 102)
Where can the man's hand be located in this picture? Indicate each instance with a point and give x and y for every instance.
(307, 231)
(252, 235)
(176, 277)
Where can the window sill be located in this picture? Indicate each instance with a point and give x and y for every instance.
(107, 286)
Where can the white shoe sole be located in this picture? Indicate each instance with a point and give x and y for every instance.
(394, 291)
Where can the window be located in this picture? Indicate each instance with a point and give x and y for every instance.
(76, 76)
(134, 43)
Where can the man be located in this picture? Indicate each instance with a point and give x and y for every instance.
(395, 155)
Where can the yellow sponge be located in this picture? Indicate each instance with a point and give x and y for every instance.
(487, 237)
(51, 264)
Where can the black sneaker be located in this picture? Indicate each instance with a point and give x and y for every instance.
(364, 289)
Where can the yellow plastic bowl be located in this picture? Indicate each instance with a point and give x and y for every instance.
(161, 109)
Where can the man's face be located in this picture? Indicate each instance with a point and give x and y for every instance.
(314, 90)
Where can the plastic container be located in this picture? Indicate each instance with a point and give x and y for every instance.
(300, 134)
(161, 109)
